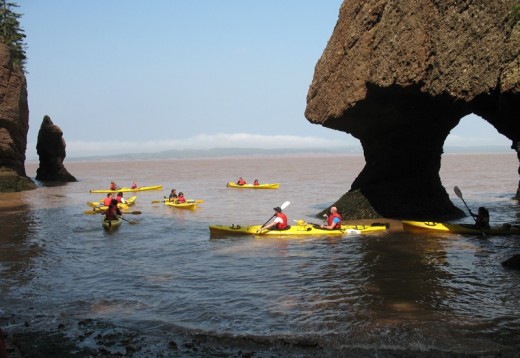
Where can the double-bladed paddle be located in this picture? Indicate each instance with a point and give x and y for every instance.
(199, 201)
(283, 206)
(129, 221)
(459, 194)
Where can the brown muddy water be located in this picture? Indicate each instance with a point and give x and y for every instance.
(165, 287)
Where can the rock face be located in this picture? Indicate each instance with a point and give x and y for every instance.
(51, 150)
(399, 76)
(14, 125)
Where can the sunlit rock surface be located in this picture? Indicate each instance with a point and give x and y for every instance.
(14, 125)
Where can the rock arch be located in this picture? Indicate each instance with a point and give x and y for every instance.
(399, 76)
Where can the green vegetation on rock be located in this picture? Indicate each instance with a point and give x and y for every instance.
(11, 32)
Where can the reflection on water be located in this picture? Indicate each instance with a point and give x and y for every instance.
(384, 291)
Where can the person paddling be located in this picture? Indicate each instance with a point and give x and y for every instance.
(481, 218)
(333, 220)
(181, 199)
(173, 195)
(112, 212)
(120, 198)
(241, 181)
(107, 200)
(280, 221)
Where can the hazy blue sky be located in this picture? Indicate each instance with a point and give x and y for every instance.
(144, 76)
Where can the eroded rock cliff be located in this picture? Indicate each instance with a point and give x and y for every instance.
(399, 76)
(14, 125)
(51, 151)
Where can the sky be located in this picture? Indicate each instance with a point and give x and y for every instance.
(126, 76)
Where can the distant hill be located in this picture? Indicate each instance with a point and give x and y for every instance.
(257, 152)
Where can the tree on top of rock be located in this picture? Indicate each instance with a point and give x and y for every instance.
(11, 32)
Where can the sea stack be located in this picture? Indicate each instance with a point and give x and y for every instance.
(51, 151)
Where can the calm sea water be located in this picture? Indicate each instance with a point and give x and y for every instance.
(165, 277)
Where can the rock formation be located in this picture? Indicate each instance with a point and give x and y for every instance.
(399, 76)
(51, 150)
(14, 125)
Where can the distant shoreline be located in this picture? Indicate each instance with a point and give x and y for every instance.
(230, 153)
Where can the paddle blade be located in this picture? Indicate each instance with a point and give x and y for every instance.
(135, 212)
(457, 192)
(93, 204)
(89, 212)
(286, 204)
(156, 201)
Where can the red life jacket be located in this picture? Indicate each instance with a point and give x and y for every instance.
(256, 182)
(113, 186)
(107, 201)
(330, 220)
(283, 224)
(241, 181)
(181, 199)
(118, 198)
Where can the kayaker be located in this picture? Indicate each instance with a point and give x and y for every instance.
(107, 200)
(113, 186)
(481, 219)
(180, 198)
(241, 181)
(173, 195)
(112, 212)
(134, 185)
(256, 182)
(280, 221)
(333, 220)
(120, 198)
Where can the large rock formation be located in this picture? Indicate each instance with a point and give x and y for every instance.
(51, 150)
(14, 125)
(399, 75)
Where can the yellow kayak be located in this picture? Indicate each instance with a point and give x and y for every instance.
(302, 228)
(430, 226)
(126, 190)
(128, 202)
(189, 206)
(252, 186)
(111, 225)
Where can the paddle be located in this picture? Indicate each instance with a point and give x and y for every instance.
(129, 221)
(284, 205)
(88, 212)
(459, 194)
(188, 201)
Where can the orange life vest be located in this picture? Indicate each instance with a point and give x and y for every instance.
(330, 220)
(283, 224)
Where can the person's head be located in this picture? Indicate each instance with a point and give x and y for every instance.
(173, 190)
(181, 194)
(113, 202)
(483, 211)
(278, 209)
(109, 195)
(112, 182)
(120, 193)
(333, 209)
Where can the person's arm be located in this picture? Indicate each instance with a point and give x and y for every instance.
(273, 223)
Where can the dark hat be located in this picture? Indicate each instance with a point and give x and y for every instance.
(114, 202)
(277, 209)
